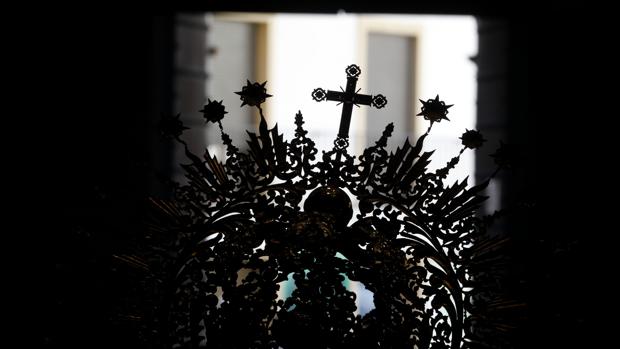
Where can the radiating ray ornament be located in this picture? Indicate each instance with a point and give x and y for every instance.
(218, 253)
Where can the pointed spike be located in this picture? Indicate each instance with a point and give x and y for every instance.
(263, 84)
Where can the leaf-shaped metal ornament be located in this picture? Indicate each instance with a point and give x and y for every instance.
(260, 250)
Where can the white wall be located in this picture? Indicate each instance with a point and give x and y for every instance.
(306, 52)
(310, 51)
(445, 47)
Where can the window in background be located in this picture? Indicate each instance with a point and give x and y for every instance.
(404, 57)
(231, 63)
(391, 67)
(237, 45)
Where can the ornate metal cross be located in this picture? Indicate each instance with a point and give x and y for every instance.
(349, 97)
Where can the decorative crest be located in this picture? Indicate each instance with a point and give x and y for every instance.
(240, 259)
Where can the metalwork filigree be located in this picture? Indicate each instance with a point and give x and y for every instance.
(242, 227)
(348, 97)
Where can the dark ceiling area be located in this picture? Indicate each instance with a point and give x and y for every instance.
(102, 81)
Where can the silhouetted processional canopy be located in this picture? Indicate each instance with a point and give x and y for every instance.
(217, 254)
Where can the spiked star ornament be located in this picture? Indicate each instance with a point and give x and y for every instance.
(171, 126)
(434, 110)
(505, 156)
(472, 139)
(213, 111)
(253, 94)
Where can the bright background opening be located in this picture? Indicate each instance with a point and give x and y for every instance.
(404, 57)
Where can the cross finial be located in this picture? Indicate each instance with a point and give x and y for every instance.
(348, 97)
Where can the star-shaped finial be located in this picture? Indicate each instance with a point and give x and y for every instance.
(504, 156)
(472, 139)
(171, 126)
(253, 94)
(213, 111)
(434, 110)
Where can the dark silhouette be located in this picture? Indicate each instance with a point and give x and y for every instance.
(103, 88)
(212, 262)
(349, 98)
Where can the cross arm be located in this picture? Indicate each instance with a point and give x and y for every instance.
(345, 97)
